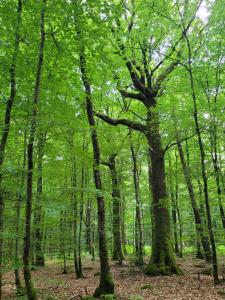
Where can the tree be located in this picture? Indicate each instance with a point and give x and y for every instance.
(7, 123)
(31, 294)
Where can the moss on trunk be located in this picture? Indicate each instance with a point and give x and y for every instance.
(162, 260)
(106, 286)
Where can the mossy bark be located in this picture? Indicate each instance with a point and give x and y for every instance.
(162, 260)
(106, 285)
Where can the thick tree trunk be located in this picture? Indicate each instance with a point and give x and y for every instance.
(198, 221)
(31, 294)
(162, 260)
(6, 126)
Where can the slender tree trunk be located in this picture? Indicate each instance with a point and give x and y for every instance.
(174, 208)
(6, 125)
(62, 238)
(80, 240)
(198, 221)
(214, 155)
(205, 183)
(81, 221)
(75, 210)
(106, 282)
(138, 216)
(90, 229)
(178, 211)
(38, 205)
(88, 226)
(16, 271)
(123, 228)
(204, 175)
(199, 249)
(116, 220)
(61, 235)
(19, 290)
(31, 294)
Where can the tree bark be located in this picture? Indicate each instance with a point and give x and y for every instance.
(123, 227)
(81, 222)
(162, 260)
(203, 170)
(214, 155)
(117, 242)
(106, 282)
(138, 216)
(198, 221)
(62, 240)
(74, 206)
(89, 241)
(19, 289)
(174, 208)
(178, 211)
(6, 125)
(31, 294)
(39, 261)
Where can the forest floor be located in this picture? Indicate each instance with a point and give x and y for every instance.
(130, 283)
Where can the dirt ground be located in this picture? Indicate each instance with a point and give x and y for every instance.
(130, 283)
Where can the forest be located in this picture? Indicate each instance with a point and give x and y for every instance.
(112, 162)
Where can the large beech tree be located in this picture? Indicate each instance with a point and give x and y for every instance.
(146, 88)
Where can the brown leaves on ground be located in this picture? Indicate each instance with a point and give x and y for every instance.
(129, 282)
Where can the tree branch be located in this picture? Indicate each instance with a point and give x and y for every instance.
(184, 32)
(131, 124)
(168, 146)
(164, 75)
(138, 96)
(136, 80)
